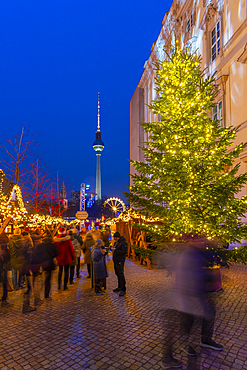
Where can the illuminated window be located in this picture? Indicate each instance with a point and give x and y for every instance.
(215, 41)
(189, 24)
(217, 113)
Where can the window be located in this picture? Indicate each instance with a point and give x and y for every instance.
(215, 41)
(189, 24)
(217, 113)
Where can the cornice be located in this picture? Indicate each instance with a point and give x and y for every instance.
(232, 53)
(235, 36)
(221, 82)
(209, 14)
(243, 56)
(242, 126)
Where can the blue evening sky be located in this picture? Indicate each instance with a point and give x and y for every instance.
(55, 57)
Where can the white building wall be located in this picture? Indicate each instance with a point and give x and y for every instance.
(230, 64)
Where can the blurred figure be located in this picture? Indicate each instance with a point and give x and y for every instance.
(89, 242)
(119, 255)
(190, 301)
(72, 265)
(16, 253)
(4, 267)
(27, 251)
(99, 264)
(46, 251)
(36, 237)
(36, 261)
(77, 244)
(65, 257)
(105, 238)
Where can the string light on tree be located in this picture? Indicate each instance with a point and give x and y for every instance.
(189, 177)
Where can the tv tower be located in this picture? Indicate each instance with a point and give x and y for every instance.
(98, 146)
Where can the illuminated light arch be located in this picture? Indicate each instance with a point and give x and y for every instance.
(11, 210)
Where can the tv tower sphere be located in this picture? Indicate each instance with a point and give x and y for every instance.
(98, 146)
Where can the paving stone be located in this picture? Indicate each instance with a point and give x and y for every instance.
(78, 330)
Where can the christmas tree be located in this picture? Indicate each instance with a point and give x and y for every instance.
(190, 175)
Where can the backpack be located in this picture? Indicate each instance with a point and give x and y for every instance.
(77, 247)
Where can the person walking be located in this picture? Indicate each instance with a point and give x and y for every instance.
(77, 243)
(89, 242)
(99, 265)
(119, 255)
(37, 273)
(65, 257)
(46, 251)
(190, 301)
(16, 253)
(4, 267)
(27, 252)
(36, 237)
(72, 265)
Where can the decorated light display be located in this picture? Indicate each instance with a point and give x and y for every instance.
(15, 211)
(115, 204)
(189, 177)
(8, 209)
(131, 215)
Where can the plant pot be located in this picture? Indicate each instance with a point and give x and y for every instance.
(214, 281)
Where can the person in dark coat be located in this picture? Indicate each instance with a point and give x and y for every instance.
(189, 300)
(27, 252)
(36, 237)
(72, 265)
(21, 250)
(119, 255)
(75, 235)
(65, 257)
(89, 242)
(99, 264)
(4, 266)
(46, 251)
(77, 246)
(16, 253)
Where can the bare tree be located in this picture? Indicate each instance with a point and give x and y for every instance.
(54, 202)
(40, 186)
(19, 157)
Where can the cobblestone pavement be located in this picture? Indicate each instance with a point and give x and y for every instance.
(78, 330)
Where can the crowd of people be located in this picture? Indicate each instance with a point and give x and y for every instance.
(32, 256)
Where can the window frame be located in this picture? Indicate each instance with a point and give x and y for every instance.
(190, 23)
(215, 41)
(217, 113)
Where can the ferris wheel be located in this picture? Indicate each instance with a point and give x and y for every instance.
(115, 204)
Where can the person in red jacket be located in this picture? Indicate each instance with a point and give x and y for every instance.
(65, 257)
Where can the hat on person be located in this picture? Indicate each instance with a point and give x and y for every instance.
(99, 242)
(116, 235)
(17, 231)
(61, 232)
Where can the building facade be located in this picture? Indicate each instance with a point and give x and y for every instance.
(217, 30)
